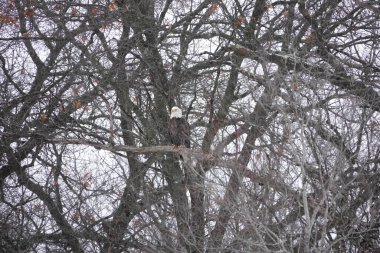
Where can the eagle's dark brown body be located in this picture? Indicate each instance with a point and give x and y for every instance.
(179, 132)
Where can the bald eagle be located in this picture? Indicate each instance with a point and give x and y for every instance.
(179, 130)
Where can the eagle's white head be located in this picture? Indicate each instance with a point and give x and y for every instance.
(176, 112)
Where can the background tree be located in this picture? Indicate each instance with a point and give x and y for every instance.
(283, 102)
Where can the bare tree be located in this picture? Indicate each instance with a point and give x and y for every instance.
(283, 102)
